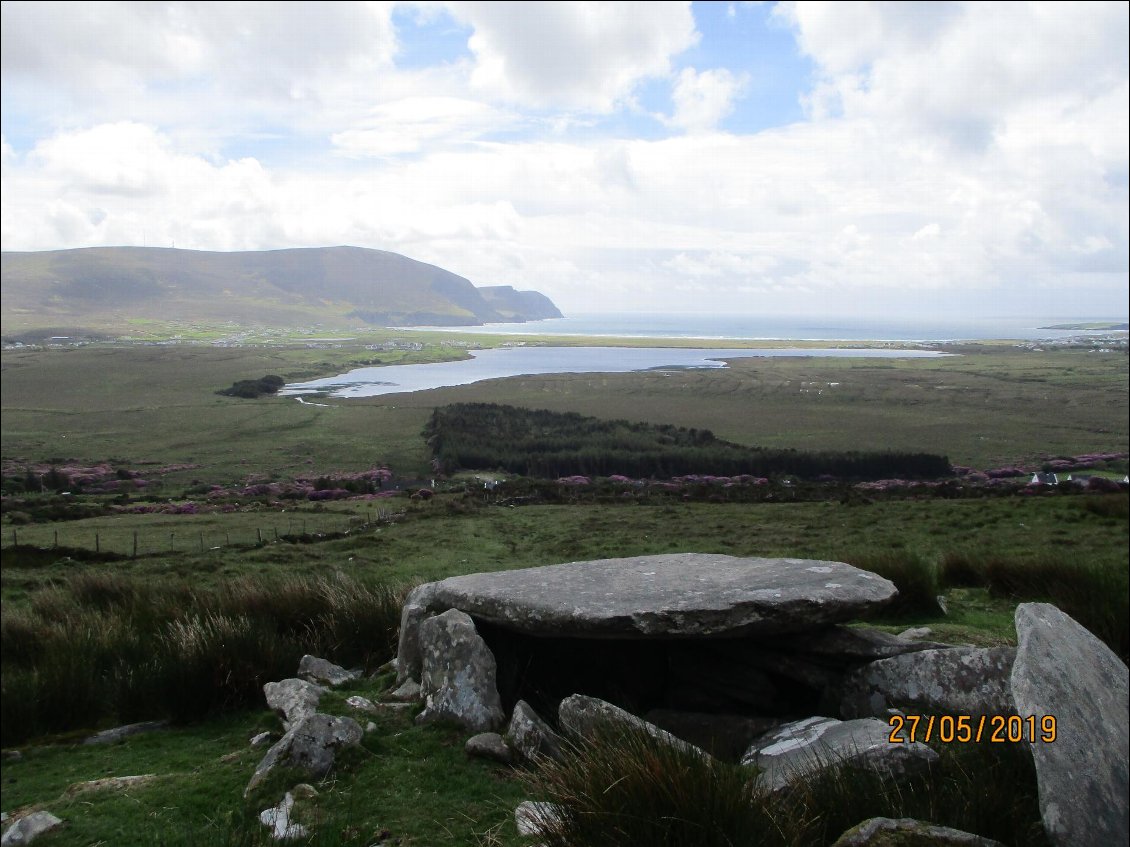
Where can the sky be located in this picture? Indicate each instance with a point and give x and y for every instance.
(775, 158)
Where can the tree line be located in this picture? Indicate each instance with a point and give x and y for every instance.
(544, 444)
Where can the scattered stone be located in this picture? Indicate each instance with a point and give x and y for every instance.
(907, 832)
(956, 681)
(396, 708)
(916, 633)
(798, 750)
(582, 717)
(13, 755)
(370, 727)
(278, 819)
(535, 818)
(310, 746)
(1062, 670)
(293, 700)
(260, 739)
(304, 791)
(664, 596)
(457, 674)
(409, 692)
(361, 704)
(313, 669)
(121, 733)
(530, 737)
(26, 829)
(111, 783)
(489, 745)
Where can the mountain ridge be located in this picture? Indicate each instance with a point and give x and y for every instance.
(101, 286)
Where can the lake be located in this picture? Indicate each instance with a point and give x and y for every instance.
(529, 361)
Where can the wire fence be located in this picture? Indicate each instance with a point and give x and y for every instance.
(132, 543)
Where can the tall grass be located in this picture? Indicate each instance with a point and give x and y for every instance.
(915, 577)
(107, 648)
(627, 789)
(1097, 595)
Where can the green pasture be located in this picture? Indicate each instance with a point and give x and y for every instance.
(157, 404)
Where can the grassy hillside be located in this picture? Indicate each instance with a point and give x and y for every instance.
(104, 287)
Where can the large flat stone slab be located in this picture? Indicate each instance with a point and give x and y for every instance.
(667, 596)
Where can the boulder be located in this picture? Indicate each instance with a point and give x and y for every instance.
(457, 674)
(109, 783)
(798, 750)
(530, 737)
(309, 746)
(664, 596)
(1064, 671)
(582, 717)
(955, 681)
(857, 643)
(361, 704)
(293, 700)
(28, 828)
(408, 692)
(907, 832)
(313, 669)
(489, 745)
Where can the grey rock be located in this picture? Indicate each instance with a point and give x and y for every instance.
(536, 818)
(409, 692)
(859, 643)
(260, 739)
(414, 612)
(583, 717)
(30, 827)
(956, 681)
(907, 832)
(458, 674)
(916, 633)
(361, 704)
(489, 745)
(310, 746)
(293, 700)
(798, 750)
(121, 733)
(313, 669)
(530, 737)
(670, 595)
(304, 791)
(1063, 670)
(109, 783)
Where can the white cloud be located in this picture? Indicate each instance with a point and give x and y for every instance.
(587, 56)
(703, 99)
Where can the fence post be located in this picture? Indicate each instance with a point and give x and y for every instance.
(260, 533)
(202, 542)
(15, 540)
(56, 538)
(97, 543)
(135, 543)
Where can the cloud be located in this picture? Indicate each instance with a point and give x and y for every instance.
(582, 56)
(702, 100)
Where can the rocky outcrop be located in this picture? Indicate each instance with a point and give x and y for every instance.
(1064, 671)
(907, 832)
(293, 700)
(121, 733)
(956, 681)
(798, 750)
(489, 745)
(309, 746)
(28, 828)
(457, 674)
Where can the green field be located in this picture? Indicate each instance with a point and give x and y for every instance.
(147, 407)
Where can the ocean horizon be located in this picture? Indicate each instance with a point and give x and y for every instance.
(790, 328)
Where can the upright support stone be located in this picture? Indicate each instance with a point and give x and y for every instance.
(1066, 674)
(415, 611)
(458, 674)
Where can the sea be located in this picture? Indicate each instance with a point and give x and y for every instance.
(791, 328)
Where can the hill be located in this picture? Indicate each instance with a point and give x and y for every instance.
(107, 286)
